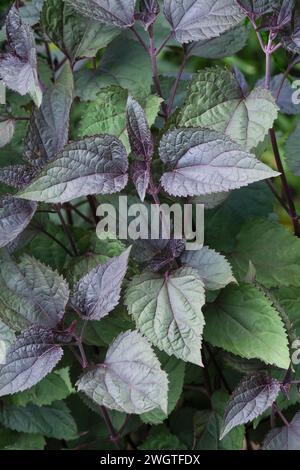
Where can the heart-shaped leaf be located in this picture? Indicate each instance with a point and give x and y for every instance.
(285, 438)
(204, 162)
(130, 380)
(95, 165)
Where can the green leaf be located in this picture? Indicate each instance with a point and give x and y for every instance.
(243, 321)
(130, 380)
(216, 101)
(167, 310)
(95, 165)
(212, 268)
(175, 371)
(107, 114)
(10, 440)
(160, 438)
(55, 386)
(292, 148)
(51, 421)
(74, 34)
(289, 298)
(273, 251)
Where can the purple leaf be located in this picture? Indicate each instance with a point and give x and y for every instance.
(30, 358)
(139, 133)
(149, 10)
(112, 12)
(98, 293)
(285, 438)
(49, 125)
(166, 257)
(291, 37)
(140, 175)
(7, 129)
(285, 98)
(17, 176)
(18, 67)
(256, 8)
(250, 399)
(95, 165)
(15, 215)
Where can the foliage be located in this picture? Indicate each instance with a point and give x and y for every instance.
(145, 344)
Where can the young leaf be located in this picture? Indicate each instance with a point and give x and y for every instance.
(244, 322)
(30, 358)
(212, 268)
(139, 133)
(130, 380)
(15, 215)
(160, 438)
(166, 256)
(251, 398)
(7, 130)
(205, 162)
(49, 125)
(277, 267)
(17, 176)
(75, 35)
(52, 421)
(292, 148)
(216, 101)
(95, 165)
(140, 175)
(98, 293)
(194, 20)
(167, 310)
(149, 10)
(112, 12)
(18, 67)
(33, 291)
(285, 438)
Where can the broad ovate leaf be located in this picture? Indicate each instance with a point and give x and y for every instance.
(48, 130)
(138, 129)
(17, 176)
(30, 358)
(118, 13)
(244, 322)
(285, 438)
(15, 215)
(76, 35)
(7, 129)
(194, 20)
(33, 292)
(167, 310)
(95, 165)
(140, 175)
(18, 67)
(98, 293)
(130, 380)
(253, 396)
(216, 101)
(213, 269)
(202, 162)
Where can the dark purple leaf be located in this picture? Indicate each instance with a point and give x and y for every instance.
(240, 78)
(149, 10)
(98, 293)
(112, 12)
(250, 399)
(49, 125)
(15, 215)
(18, 67)
(140, 175)
(258, 7)
(138, 130)
(30, 358)
(291, 37)
(285, 438)
(17, 176)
